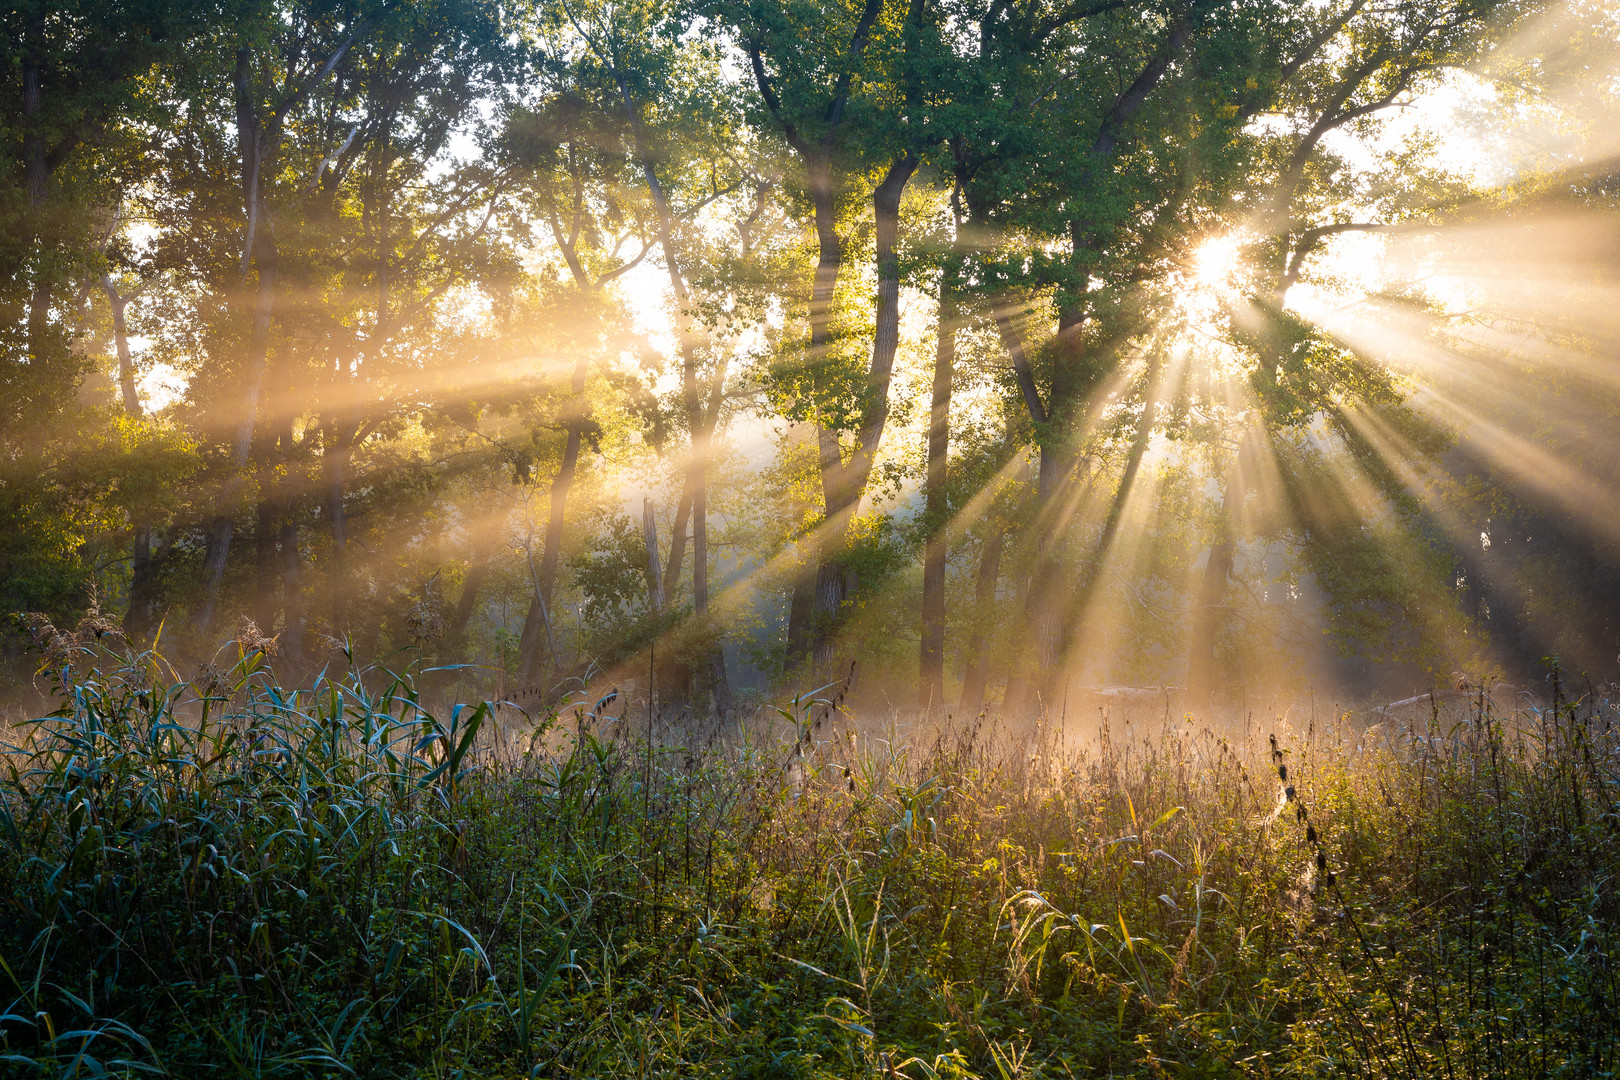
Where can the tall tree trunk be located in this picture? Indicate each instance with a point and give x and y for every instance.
(533, 636)
(801, 611)
(143, 588)
(829, 253)
(1204, 674)
(142, 578)
(259, 248)
(1074, 375)
(931, 661)
(40, 347)
(1071, 380)
(126, 362)
(804, 634)
(267, 524)
(677, 542)
(1044, 609)
(335, 469)
(1127, 482)
(1012, 339)
(292, 589)
(984, 598)
(699, 425)
(472, 587)
(649, 538)
(1091, 578)
(35, 169)
(819, 593)
(719, 681)
(290, 568)
(844, 484)
(15, 255)
(695, 478)
(802, 592)
(826, 587)
(1210, 615)
(537, 624)
(719, 678)
(1038, 636)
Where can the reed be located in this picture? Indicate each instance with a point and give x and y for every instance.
(219, 876)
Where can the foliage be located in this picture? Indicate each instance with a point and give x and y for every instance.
(331, 315)
(223, 873)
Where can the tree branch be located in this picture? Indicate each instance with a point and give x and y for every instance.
(1310, 239)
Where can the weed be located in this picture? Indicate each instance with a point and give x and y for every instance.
(225, 876)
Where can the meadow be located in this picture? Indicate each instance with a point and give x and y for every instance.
(216, 876)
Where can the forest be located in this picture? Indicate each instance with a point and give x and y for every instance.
(976, 538)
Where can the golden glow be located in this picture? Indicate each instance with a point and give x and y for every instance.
(1177, 451)
(1214, 263)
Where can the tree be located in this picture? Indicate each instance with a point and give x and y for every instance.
(1302, 196)
(856, 115)
(329, 243)
(74, 121)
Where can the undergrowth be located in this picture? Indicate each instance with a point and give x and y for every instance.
(221, 877)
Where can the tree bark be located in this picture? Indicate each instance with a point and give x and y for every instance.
(719, 680)
(290, 563)
(34, 167)
(533, 635)
(1074, 376)
(984, 598)
(1127, 481)
(677, 541)
(801, 610)
(649, 537)
(826, 588)
(1057, 622)
(40, 349)
(1204, 675)
(292, 588)
(931, 661)
(267, 522)
(1039, 645)
(844, 484)
(335, 466)
(142, 578)
(699, 426)
(126, 362)
(471, 587)
(259, 248)
(801, 592)
(540, 607)
(805, 632)
(817, 588)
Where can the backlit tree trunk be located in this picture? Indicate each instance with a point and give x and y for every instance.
(699, 421)
(334, 468)
(1204, 675)
(536, 626)
(254, 145)
(975, 668)
(931, 661)
(844, 483)
(143, 587)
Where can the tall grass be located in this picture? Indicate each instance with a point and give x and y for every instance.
(222, 877)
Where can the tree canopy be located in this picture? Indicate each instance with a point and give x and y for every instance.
(954, 351)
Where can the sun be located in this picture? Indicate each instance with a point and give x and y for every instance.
(1214, 262)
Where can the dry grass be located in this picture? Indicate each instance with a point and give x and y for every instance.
(221, 877)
